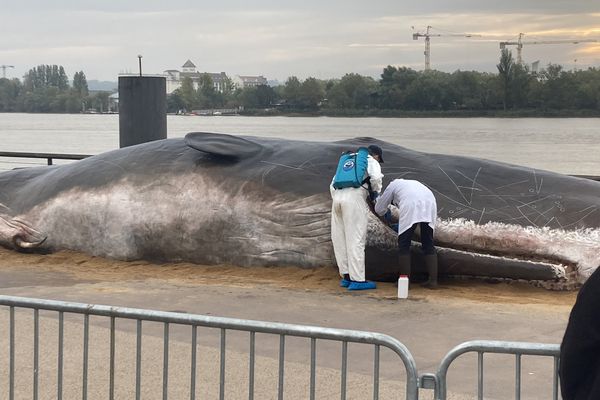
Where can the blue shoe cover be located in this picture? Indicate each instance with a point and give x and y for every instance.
(345, 283)
(362, 285)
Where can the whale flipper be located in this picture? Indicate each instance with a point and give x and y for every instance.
(222, 145)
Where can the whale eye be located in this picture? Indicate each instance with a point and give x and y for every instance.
(222, 145)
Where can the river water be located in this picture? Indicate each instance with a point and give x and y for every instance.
(565, 145)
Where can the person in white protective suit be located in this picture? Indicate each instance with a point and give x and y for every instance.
(349, 218)
(416, 206)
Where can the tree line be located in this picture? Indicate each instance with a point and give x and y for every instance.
(514, 88)
(47, 89)
(398, 91)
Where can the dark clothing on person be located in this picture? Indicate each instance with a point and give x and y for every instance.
(405, 238)
(579, 368)
(416, 206)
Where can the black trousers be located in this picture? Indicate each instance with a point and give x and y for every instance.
(405, 238)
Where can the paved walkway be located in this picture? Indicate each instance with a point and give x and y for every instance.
(428, 323)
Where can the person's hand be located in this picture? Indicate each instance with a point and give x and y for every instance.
(388, 216)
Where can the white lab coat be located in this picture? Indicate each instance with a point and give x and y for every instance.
(414, 200)
(349, 218)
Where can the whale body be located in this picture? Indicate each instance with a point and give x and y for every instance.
(221, 199)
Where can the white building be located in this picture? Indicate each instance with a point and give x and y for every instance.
(174, 77)
(244, 81)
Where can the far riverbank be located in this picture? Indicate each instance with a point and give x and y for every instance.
(376, 113)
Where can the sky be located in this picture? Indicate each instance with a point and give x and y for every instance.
(278, 39)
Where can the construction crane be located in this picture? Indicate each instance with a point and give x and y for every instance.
(427, 35)
(4, 69)
(519, 43)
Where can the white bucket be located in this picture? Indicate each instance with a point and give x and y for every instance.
(403, 287)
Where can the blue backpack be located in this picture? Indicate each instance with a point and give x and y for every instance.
(351, 169)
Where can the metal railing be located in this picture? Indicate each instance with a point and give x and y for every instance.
(436, 381)
(48, 156)
(519, 349)
(224, 324)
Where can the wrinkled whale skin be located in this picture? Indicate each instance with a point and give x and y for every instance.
(213, 198)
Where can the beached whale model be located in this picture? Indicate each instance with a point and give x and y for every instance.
(213, 198)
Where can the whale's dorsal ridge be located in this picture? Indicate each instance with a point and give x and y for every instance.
(223, 145)
(366, 139)
(361, 140)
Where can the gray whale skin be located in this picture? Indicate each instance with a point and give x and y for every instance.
(221, 199)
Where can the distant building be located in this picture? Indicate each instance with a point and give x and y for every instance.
(244, 81)
(174, 77)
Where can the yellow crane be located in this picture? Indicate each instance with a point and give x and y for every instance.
(519, 43)
(4, 69)
(427, 35)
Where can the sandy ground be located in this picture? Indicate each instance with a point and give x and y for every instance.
(82, 267)
(429, 323)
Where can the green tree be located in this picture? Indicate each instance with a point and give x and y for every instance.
(506, 74)
(587, 89)
(261, 96)
(431, 91)
(205, 96)
(491, 92)
(520, 86)
(311, 94)
(73, 103)
(45, 89)
(291, 91)
(468, 88)
(44, 76)
(62, 80)
(98, 101)
(353, 91)
(174, 102)
(187, 93)
(557, 86)
(9, 92)
(393, 85)
(80, 84)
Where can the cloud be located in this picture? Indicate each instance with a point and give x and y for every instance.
(278, 39)
(591, 50)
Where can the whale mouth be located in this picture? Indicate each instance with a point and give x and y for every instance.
(19, 234)
(549, 258)
(465, 264)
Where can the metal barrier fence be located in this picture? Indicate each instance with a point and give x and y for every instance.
(224, 324)
(519, 349)
(436, 381)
